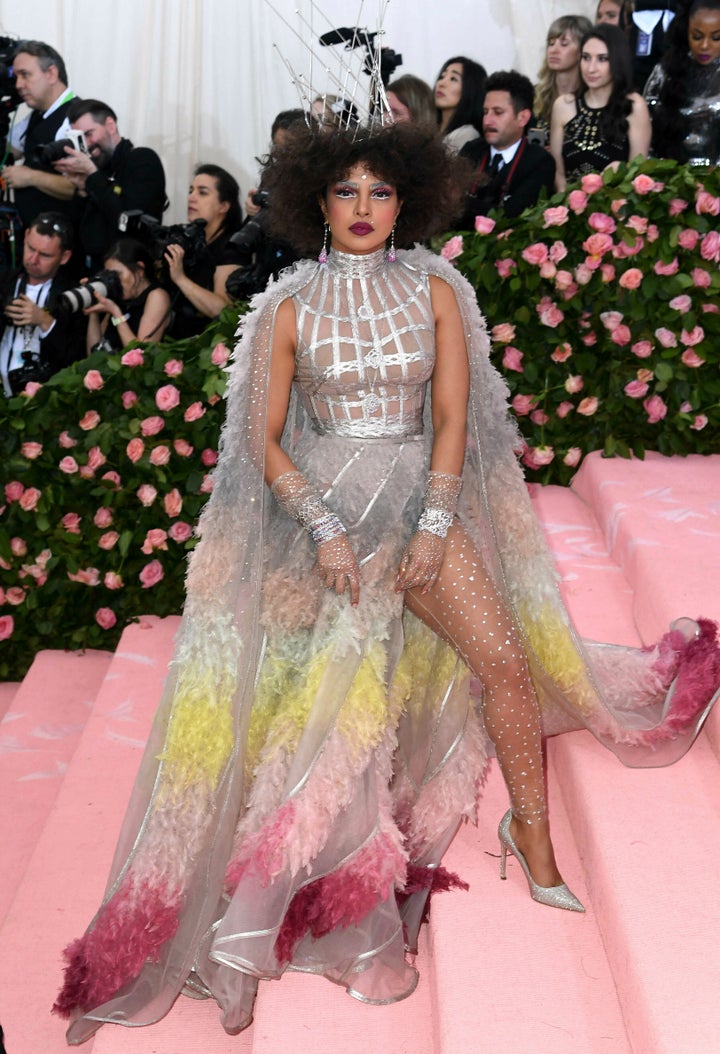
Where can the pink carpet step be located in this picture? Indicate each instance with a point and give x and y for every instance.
(8, 691)
(38, 736)
(649, 841)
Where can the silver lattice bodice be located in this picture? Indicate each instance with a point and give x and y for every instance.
(701, 113)
(365, 346)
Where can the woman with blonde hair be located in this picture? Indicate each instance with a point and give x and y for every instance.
(560, 71)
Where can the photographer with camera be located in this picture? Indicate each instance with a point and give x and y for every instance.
(199, 278)
(134, 307)
(34, 344)
(111, 178)
(41, 83)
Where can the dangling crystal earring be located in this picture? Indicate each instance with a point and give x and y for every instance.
(392, 255)
(322, 258)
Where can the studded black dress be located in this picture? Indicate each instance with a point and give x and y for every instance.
(585, 149)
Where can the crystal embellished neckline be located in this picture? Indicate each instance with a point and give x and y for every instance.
(350, 265)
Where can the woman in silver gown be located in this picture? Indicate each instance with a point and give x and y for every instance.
(369, 542)
(683, 91)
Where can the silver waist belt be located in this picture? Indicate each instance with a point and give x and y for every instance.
(372, 434)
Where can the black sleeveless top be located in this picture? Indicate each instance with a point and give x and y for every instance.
(584, 149)
(135, 308)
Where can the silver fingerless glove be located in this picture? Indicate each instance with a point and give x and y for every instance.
(442, 492)
(302, 502)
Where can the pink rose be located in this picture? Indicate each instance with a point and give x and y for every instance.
(653, 232)
(642, 348)
(93, 380)
(194, 412)
(598, 244)
(710, 246)
(15, 596)
(14, 491)
(691, 358)
(535, 254)
(623, 250)
(608, 273)
(147, 494)
(135, 449)
(632, 278)
(103, 517)
(643, 184)
(209, 457)
(31, 450)
(588, 406)
(555, 216)
(523, 404)
(213, 400)
(112, 477)
(558, 252)
(666, 337)
(155, 538)
(7, 627)
(701, 278)
(180, 532)
(134, 357)
(548, 270)
(150, 426)
(31, 388)
(552, 316)
(645, 376)
(688, 238)
(562, 353)
(151, 574)
(18, 546)
(112, 580)
(167, 398)
(574, 384)
(68, 465)
(570, 292)
(206, 486)
(706, 204)
(182, 447)
(96, 458)
(572, 458)
(655, 408)
(676, 206)
(29, 499)
(90, 420)
(711, 309)
(452, 248)
(503, 333)
(577, 200)
(108, 540)
(681, 303)
(601, 222)
(160, 455)
(637, 224)
(539, 417)
(71, 522)
(505, 268)
(636, 389)
(589, 340)
(105, 618)
(86, 472)
(87, 576)
(512, 359)
(621, 336)
(483, 225)
(611, 319)
(617, 204)
(591, 182)
(564, 281)
(173, 503)
(564, 409)
(695, 336)
(129, 399)
(173, 367)
(699, 423)
(667, 268)
(537, 457)
(66, 441)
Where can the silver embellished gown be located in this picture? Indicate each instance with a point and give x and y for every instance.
(311, 761)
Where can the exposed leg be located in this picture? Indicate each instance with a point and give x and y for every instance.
(464, 609)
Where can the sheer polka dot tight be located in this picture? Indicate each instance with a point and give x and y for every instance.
(465, 610)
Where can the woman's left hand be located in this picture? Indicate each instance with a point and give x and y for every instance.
(174, 256)
(421, 562)
(103, 306)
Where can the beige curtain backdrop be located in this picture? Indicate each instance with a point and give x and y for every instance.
(201, 80)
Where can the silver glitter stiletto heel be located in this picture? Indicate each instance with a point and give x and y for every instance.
(553, 896)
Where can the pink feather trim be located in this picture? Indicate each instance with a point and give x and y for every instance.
(697, 679)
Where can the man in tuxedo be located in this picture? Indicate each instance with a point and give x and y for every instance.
(510, 173)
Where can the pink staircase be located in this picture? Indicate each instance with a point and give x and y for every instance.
(637, 544)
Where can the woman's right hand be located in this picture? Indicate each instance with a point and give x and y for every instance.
(174, 257)
(338, 567)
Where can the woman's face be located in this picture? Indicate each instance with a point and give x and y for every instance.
(448, 88)
(704, 36)
(563, 53)
(131, 282)
(608, 11)
(361, 210)
(204, 203)
(595, 64)
(398, 110)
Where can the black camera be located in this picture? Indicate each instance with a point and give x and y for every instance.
(104, 283)
(189, 236)
(9, 97)
(55, 151)
(261, 198)
(32, 369)
(251, 235)
(354, 37)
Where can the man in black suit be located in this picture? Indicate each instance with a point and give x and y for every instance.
(510, 173)
(34, 343)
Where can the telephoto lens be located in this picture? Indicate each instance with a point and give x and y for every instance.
(104, 283)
